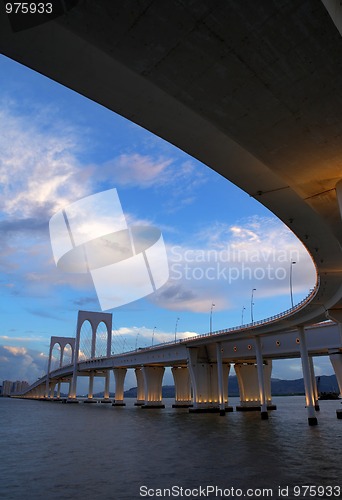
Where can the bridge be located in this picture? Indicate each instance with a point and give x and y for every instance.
(200, 365)
(250, 89)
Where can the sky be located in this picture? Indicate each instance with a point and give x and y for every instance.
(56, 148)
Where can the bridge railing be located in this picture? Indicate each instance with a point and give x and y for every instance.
(249, 326)
(271, 319)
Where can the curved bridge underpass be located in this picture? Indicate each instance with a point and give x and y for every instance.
(252, 90)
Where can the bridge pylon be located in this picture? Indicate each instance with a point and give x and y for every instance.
(209, 380)
(94, 318)
(63, 342)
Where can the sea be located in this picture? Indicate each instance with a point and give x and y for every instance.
(50, 450)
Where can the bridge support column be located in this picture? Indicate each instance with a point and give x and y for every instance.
(181, 378)
(153, 379)
(119, 375)
(222, 381)
(248, 380)
(261, 379)
(309, 392)
(41, 392)
(59, 390)
(53, 384)
(48, 394)
(69, 392)
(73, 383)
(205, 384)
(314, 383)
(106, 388)
(336, 361)
(90, 398)
(140, 387)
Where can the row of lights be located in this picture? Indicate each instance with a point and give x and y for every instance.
(243, 309)
(254, 290)
(278, 344)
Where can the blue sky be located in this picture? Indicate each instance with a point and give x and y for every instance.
(58, 147)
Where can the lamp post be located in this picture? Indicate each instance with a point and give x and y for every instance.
(252, 304)
(154, 329)
(136, 341)
(176, 329)
(211, 317)
(243, 309)
(293, 262)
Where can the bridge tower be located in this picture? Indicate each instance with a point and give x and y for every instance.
(63, 342)
(94, 318)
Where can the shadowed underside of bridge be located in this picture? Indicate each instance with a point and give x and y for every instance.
(252, 89)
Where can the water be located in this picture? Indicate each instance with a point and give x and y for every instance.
(61, 451)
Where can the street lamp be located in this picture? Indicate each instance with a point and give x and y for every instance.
(252, 304)
(211, 317)
(154, 329)
(293, 262)
(243, 309)
(176, 329)
(136, 341)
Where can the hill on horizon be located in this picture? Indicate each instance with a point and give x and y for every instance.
(279, 387)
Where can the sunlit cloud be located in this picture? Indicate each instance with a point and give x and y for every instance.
(130, 338)
(20, 363)
(226, 260)
(39, 170)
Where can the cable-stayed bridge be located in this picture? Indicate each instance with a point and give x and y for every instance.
(200, 365)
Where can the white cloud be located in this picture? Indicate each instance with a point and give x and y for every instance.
(39, 170)
(226, 261)
(41, 174)
(136, 170)
(130, 338)
(20, 363)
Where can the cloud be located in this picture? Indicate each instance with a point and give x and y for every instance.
(130, 338)
(136, 170)
(186, 294)
(22, 339)
(39, 170)
(19, 363)
(40, 173)
(226, 260)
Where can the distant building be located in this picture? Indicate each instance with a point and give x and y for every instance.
(11, 388)
(7, 387)
(19, 386)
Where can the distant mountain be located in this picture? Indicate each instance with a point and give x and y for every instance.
(287, 387)
(279, 387)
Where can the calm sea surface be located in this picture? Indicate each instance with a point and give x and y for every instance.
(62, 451)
